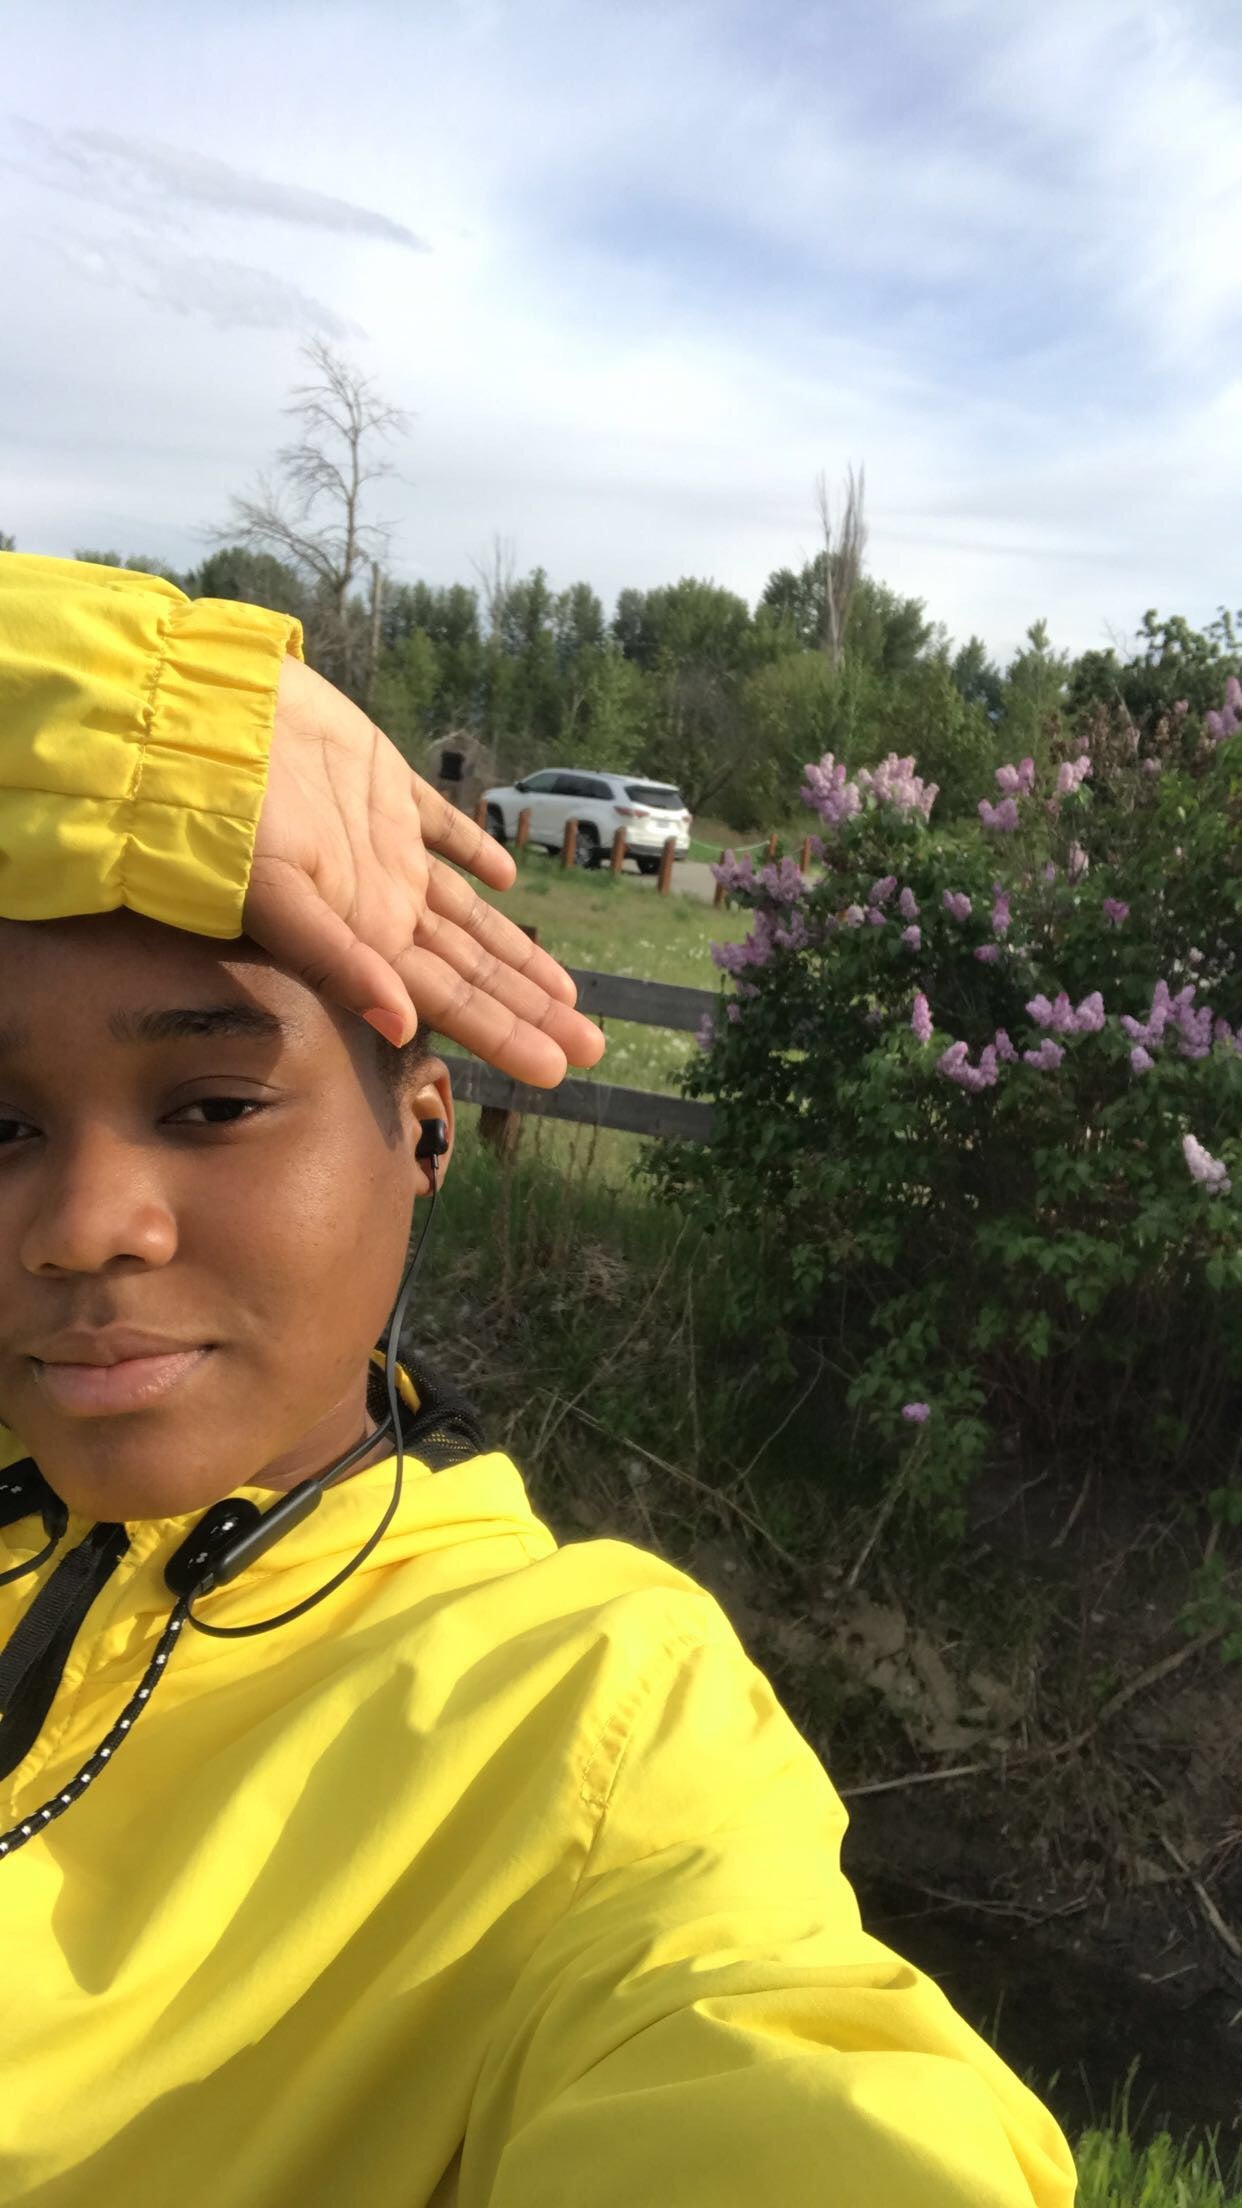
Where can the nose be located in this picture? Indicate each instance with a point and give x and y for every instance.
(98, 1207)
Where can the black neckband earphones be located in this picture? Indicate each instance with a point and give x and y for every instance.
(229, 1536)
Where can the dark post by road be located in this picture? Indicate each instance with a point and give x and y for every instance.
(569, 849)
(773, 840)
(719, 897)
(804, 856)
(480, 813)
(666, 866)
(523, 834)
(618, 851)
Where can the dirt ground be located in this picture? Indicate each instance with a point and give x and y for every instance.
(1055, 1830)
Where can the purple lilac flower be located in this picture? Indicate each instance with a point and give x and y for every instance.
(954, 1064)
(1050, 872)
(875, 918)
(1003, 816)
(829, 790)
(986, 953)
(908, 905)
(783, 882)
(1071, 774)
(1116, 911)
(1000, 910)
(733, 1011)
(1047, 1058)
(912, 938)
(882, 890)
(1204, 1168)
(705, 1034)
(1151, 766)
(734, 873)
(853, 916)
(1141, 1060)
(917, 1413)
(1078, 863)
(921, 1019)
(894, 783)
(1016, 781)
(1223, 1033)
(1004, 1048)
(957, 904)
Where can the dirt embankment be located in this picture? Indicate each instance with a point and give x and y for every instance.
(1044, 1780)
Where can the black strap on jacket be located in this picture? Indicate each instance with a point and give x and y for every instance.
(34, 1658)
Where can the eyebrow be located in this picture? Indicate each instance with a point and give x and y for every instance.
(177, 1023)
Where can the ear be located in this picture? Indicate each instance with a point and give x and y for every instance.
(431, 1097)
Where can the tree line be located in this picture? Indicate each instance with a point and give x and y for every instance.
(688, 681)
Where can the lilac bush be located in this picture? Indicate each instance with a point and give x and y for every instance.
(979, 1095)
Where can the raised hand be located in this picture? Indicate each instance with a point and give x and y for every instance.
(349, 889)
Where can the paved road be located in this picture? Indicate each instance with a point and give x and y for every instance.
(691, 878)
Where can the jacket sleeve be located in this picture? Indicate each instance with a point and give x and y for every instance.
(135, 726)
(709, 2025)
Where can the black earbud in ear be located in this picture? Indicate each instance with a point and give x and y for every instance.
(433, 1141)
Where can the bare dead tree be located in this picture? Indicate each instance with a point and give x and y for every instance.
(844, 546)
(496, 572)
(311, 510)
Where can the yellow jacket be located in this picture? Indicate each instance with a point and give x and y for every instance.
(501, 1880)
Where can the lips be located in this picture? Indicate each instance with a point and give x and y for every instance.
(91, 1375)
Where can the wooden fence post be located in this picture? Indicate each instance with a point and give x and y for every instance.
(719, 897)
(569, 848)
(618, 851)
(773, 840)
(523, 832)
(666, 866)
(497, 1127)
(480, 813)
(804, 856)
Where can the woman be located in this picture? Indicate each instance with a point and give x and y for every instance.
(448, 1867)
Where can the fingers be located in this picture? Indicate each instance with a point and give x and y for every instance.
(531, 1051)
(456, 837)
(464, 972)
(288, 917)
(451, 898)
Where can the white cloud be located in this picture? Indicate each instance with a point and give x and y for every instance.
(686, 254)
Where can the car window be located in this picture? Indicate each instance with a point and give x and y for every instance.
(544, 781)
(659, 795)
(593, 787)
(575, 785)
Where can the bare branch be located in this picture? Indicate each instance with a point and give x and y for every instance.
(843, 552)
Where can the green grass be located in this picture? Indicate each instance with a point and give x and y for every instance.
(620, 926)
(1114, 2173)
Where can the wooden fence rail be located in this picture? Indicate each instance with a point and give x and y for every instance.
(666, 1004)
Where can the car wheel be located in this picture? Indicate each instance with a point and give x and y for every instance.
(586, 850)
(496, 823)
(648, 866)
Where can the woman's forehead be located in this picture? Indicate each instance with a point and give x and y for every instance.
(105, 961)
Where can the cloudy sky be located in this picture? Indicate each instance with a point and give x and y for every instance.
(638, 271)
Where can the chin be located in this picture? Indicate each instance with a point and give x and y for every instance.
(152, 1465)
(138, 1482)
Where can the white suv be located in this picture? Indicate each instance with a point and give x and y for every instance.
(649, 812)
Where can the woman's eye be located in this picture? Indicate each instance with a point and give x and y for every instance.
(11, 1130)
(218, 1111)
